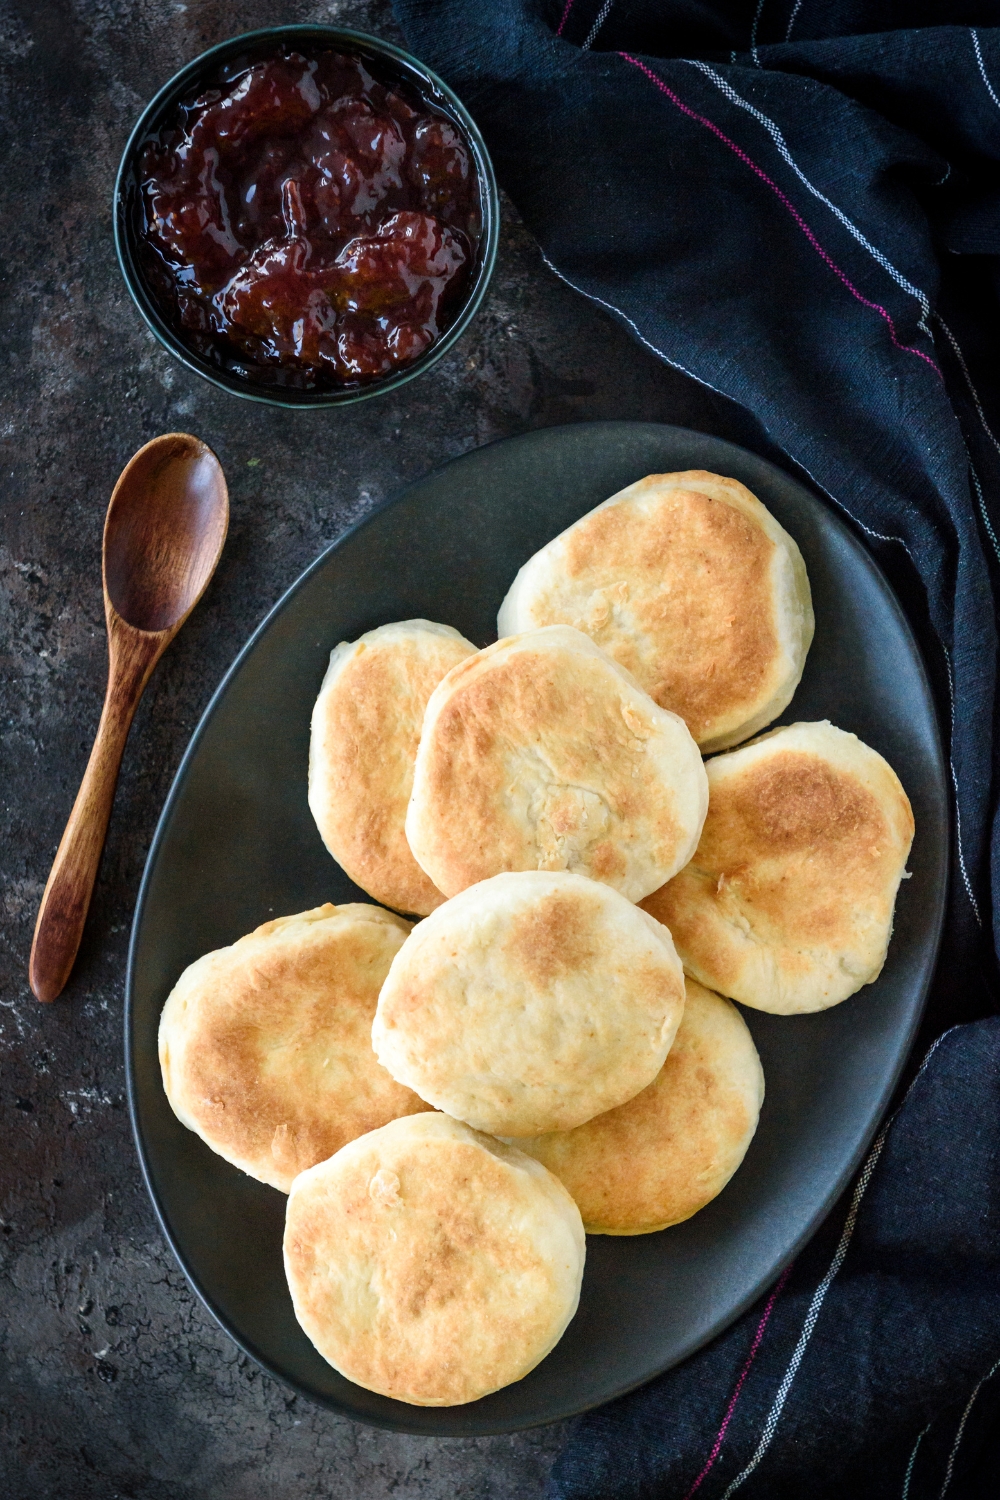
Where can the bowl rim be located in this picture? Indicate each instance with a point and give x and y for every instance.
(170, 93)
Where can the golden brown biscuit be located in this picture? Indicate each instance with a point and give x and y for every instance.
(541, 753)
(787, 904)
(365, 731)
(265, 1047)
(689, 582)
(432, 1264)
(530, 1002)
(661, 1157)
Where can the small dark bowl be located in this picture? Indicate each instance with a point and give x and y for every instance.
(158, 113)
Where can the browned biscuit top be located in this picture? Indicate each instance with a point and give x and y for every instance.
(540, 753)
(661, 1157)
(787, 903)
(365, 731)
(530, 1002)
(691, 584)
(265, 1047)
(431, 1263)
(714, 626)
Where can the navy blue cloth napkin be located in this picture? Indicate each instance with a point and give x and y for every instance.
(797, 202)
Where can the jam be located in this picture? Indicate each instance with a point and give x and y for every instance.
(306, 224)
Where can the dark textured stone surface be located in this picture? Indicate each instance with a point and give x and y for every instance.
(115, 1380)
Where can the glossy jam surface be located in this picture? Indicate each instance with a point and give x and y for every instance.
(305, 224)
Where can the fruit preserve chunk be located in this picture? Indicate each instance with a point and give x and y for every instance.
(306, 224)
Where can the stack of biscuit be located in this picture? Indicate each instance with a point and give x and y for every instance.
(451, 1103)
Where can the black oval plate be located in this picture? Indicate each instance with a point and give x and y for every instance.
(236, 845)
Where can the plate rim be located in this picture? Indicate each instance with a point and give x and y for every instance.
(840, 521)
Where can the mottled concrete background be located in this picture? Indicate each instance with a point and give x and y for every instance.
(115, 1381)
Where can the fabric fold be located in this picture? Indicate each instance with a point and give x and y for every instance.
(799, 206)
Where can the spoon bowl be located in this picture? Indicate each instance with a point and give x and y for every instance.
(163, 536)
(164, 532)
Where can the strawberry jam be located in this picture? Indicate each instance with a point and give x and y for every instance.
(305, 224)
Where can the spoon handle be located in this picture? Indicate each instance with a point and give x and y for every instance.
(66, 898)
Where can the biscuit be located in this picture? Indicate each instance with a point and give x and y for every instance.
(265, 1047)
(661, 1157)
(787, 904)
(365, 730)
(432, 1264)
(530, 1002)
(689, 582)
(541, 753)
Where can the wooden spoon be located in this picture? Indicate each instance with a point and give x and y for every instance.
(163, 536)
